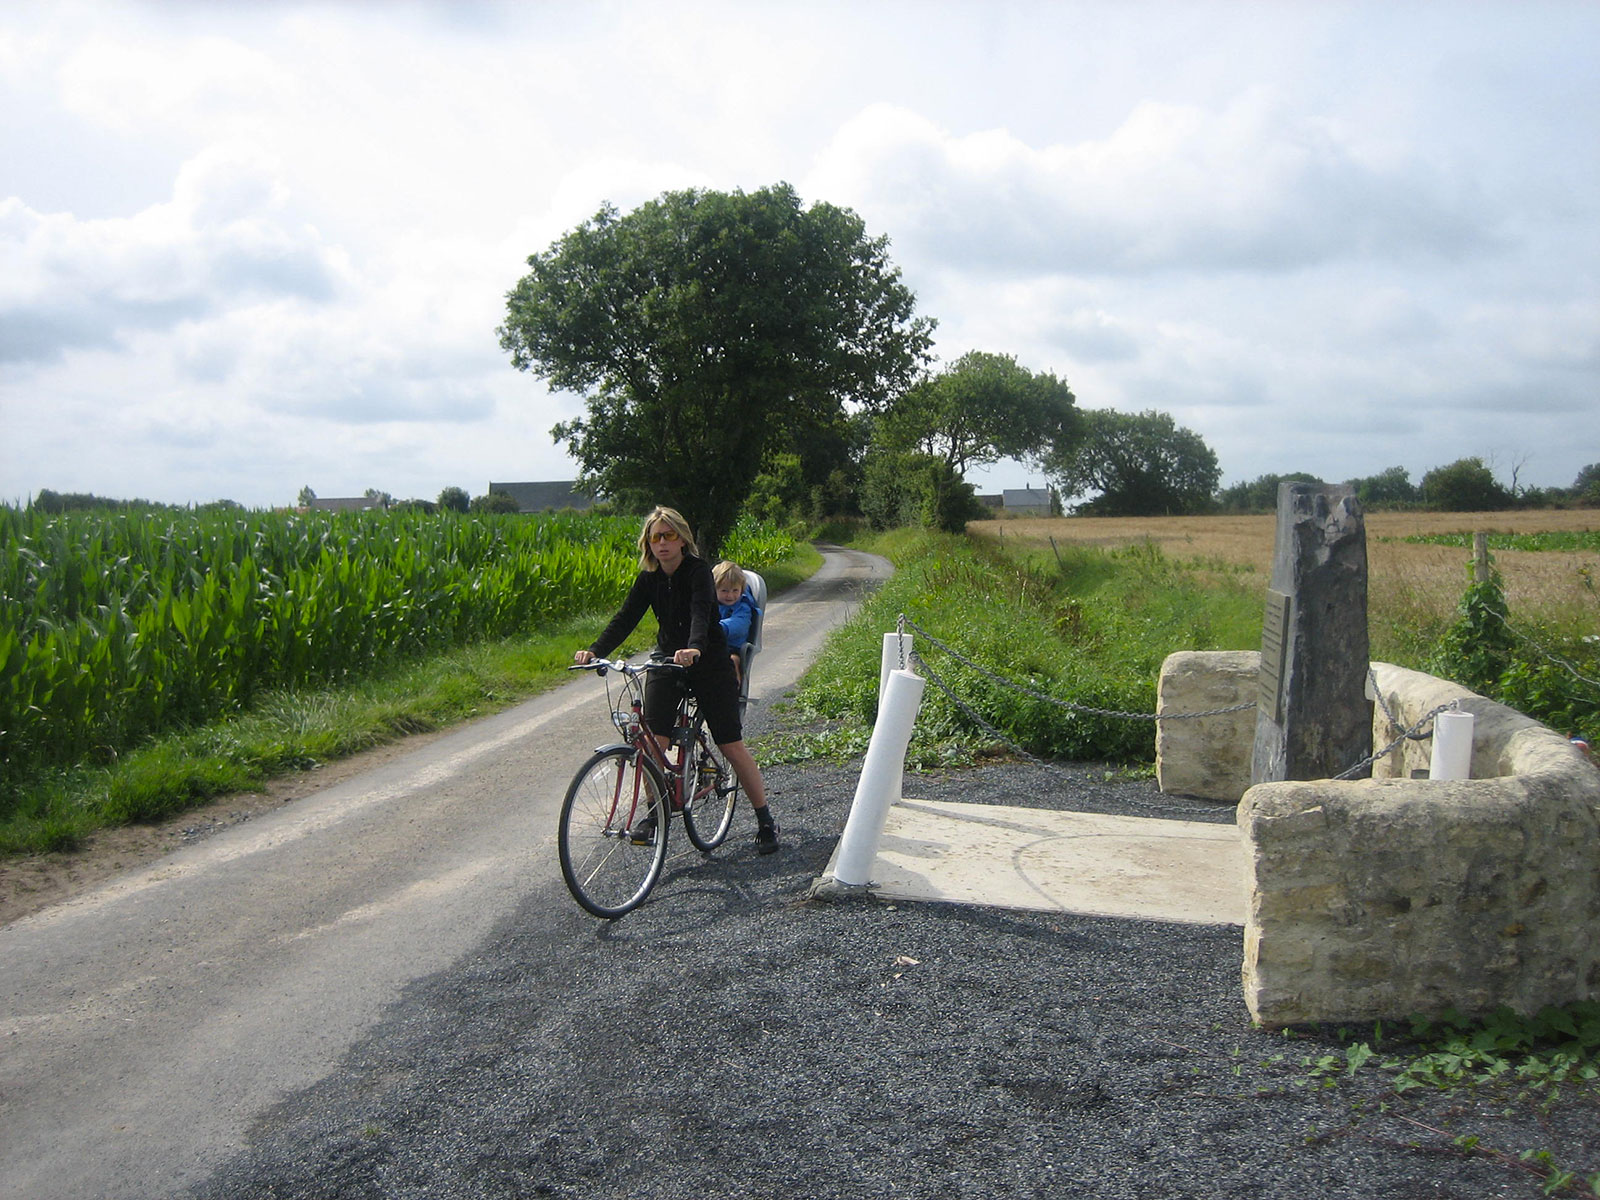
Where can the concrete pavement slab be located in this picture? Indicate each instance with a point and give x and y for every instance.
(1049, 860)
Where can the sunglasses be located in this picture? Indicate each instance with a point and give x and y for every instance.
(664, 535)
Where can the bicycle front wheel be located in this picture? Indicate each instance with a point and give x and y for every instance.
(708, 814)
(612, 837)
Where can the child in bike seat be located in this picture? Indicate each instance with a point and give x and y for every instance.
(675, 583)
(736, 606)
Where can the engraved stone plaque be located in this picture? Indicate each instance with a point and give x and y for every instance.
(1274, 653)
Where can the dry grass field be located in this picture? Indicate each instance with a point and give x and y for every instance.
(1416, 585)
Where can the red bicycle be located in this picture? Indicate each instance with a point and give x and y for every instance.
(612, 837)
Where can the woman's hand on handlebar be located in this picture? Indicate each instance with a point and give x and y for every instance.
(583, 658)
(685, 657)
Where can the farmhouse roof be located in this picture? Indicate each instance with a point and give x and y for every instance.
(1026, 497)
(346, 503)
(537, 497)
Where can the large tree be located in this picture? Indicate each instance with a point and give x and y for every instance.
(1386, 489)
(1586, 487)
(701, 326)
(1466, 485)
(985, 407)
(1259, 494)
(1141, 464)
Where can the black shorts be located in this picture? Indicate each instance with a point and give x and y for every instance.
(712, 682)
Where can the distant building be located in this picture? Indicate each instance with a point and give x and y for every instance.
(992, 500)
(347, 503)
(1027, 502)
(541, 497)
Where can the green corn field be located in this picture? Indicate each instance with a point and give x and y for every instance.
(117, 626)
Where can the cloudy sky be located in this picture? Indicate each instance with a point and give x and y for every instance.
(252, 247)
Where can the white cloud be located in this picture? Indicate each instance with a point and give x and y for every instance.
(1252, 187)
(1093, 335)
(252, 247)
(225, 238)
(130, 81)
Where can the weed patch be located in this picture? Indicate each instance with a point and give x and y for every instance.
(1457, 1081)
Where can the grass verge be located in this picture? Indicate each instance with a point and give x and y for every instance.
(1078, 626)
(284, 731)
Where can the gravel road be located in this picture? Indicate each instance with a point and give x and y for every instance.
(734, 1039)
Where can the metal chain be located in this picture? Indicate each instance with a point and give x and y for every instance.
(1057, 701)
(1378, 692)
(973, 715)
(1394, 722)
(1411, 733)
(1405, 733)
(1555, 658)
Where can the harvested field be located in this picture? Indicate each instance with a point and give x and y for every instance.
(1408, 582)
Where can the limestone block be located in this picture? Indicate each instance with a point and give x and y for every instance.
(1412, 896)
(1380, 898)
(1207, 757)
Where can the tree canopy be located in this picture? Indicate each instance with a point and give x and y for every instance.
(1259, 494)
(699, 327)
(1586, 487)
(1141, 464)
(1466, 485)
(1385, 489)
(908, 487)
(985, 407)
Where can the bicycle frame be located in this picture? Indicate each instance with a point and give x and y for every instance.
(612, 833)
(627, 714)
(629, 721)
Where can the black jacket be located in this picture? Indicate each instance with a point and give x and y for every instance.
(685, 605)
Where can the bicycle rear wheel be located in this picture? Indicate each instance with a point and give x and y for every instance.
(611, 855)
(708, 814)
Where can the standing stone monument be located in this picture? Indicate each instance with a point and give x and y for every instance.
(1313, 718)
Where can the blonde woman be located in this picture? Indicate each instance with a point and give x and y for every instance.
(675, 583)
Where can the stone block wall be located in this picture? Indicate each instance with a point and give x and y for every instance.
(1378, 898)
(1206, 757)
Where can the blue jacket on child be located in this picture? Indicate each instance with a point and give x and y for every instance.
(736, 618)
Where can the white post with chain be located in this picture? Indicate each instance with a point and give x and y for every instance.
(881, 776)
(896, 649)
(1452, 746)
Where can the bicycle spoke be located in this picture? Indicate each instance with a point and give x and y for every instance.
(709, 815)
(607, 871)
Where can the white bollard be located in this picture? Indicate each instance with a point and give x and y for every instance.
(1452, 746)
(896, 657)
(881, 775)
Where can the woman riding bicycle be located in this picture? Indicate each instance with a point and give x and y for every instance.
(675, 583)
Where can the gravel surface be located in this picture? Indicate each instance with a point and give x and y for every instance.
(734, 1039)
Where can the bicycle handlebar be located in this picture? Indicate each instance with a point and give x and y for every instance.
(601, 665)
